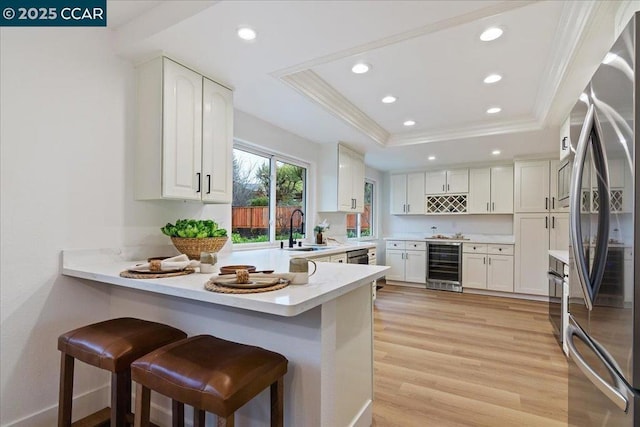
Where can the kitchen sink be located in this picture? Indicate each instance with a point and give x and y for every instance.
(305, 249)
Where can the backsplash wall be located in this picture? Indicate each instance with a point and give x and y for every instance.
(449, 224)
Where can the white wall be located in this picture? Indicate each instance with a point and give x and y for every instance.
(67, 164)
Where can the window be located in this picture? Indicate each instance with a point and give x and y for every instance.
(361, 224)
(267, 189)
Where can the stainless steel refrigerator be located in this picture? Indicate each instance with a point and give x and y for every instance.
(604, 323)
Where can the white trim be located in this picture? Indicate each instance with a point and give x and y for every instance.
(314, 87)
(504, 294)
(566, 41)
(511, 126)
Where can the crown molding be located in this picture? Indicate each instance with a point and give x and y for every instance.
(567, 41)
(314, 87)
(433, 27)
(461, 132)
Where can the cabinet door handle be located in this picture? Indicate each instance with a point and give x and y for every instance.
(546, 203)
(493, 206)
(408, 208)
(553, 222)
(208, 184)
(198, 178)
(489, 260)
(484, 259)
(564, 143)
(448, 187)
(442, 187)
(546, 222)
(487, 206)
(553, 203)
(404, 208)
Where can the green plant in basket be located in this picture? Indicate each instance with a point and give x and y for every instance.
(194, 228)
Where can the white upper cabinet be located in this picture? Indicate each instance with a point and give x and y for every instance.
(340, 179)
(407, 194)
(448, 181)
(217, 142)
(491, 190)
(532, 186)
(183, 151)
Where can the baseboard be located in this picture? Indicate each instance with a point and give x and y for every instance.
(83, 405)
(364, 418)
(407, 284)
(505, 294)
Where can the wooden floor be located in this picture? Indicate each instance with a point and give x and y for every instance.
(449, 359)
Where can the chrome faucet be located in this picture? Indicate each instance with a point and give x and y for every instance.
(291, 240)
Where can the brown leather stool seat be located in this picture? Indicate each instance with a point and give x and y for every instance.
(210, 374)
(111, 345)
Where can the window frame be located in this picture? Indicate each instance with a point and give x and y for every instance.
(273, 157)
(373, 213)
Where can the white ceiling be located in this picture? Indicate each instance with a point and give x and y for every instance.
(296, 74)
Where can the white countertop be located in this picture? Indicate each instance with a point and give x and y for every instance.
(560, 255)
(330, 281)
(329, 249)
(506, 239)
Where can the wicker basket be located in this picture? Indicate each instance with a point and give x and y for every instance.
(192, 247)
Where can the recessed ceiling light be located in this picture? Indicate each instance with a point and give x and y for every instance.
(492, 78)
(247, 33)
(361, 68)
(495, 152)
(432, 157)
(494, 110)
(409, 123)
(491, 34)
(389, 99)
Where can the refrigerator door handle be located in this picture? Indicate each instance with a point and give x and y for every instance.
(589, 284)
(616, 394)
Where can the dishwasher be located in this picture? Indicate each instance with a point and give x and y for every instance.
(444, 266)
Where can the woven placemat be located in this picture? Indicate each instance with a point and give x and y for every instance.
(210, 286)
(133, 275)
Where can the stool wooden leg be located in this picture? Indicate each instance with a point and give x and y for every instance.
(120, 398)
(226, 422)
(65, 396)
(143, 403)
(198, 417)
(277, 399)
(177, 413)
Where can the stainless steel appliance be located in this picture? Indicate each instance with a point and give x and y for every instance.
(556, 297)
(603, 335)
(444, 266)
(358, 256)
(564, 178)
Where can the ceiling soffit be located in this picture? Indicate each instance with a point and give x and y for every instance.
(565, 41)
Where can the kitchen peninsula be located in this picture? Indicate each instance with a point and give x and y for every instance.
(324, 328)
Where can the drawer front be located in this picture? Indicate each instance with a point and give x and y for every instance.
(395, 244)
(474, 248)
(500, 249)
(416, 246)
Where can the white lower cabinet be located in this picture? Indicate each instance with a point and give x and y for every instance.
(339, 258)
(487, 267)
(532, 253)
(407, 261)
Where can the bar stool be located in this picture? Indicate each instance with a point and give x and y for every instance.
(210, 374)
(111, 345)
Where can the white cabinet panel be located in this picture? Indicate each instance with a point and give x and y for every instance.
(502, 189)
(500, 273)
(415, 266)
(559, 231)
(532, 258)
(479, 190)
(531, 186)
(436, 182)
(339, 258)
(217, 142)
(395, 260)
(398, 194)
(407, 194)
(458, 181)
(345, 179)
(182, 132)
(474, 271)
(340, 180)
